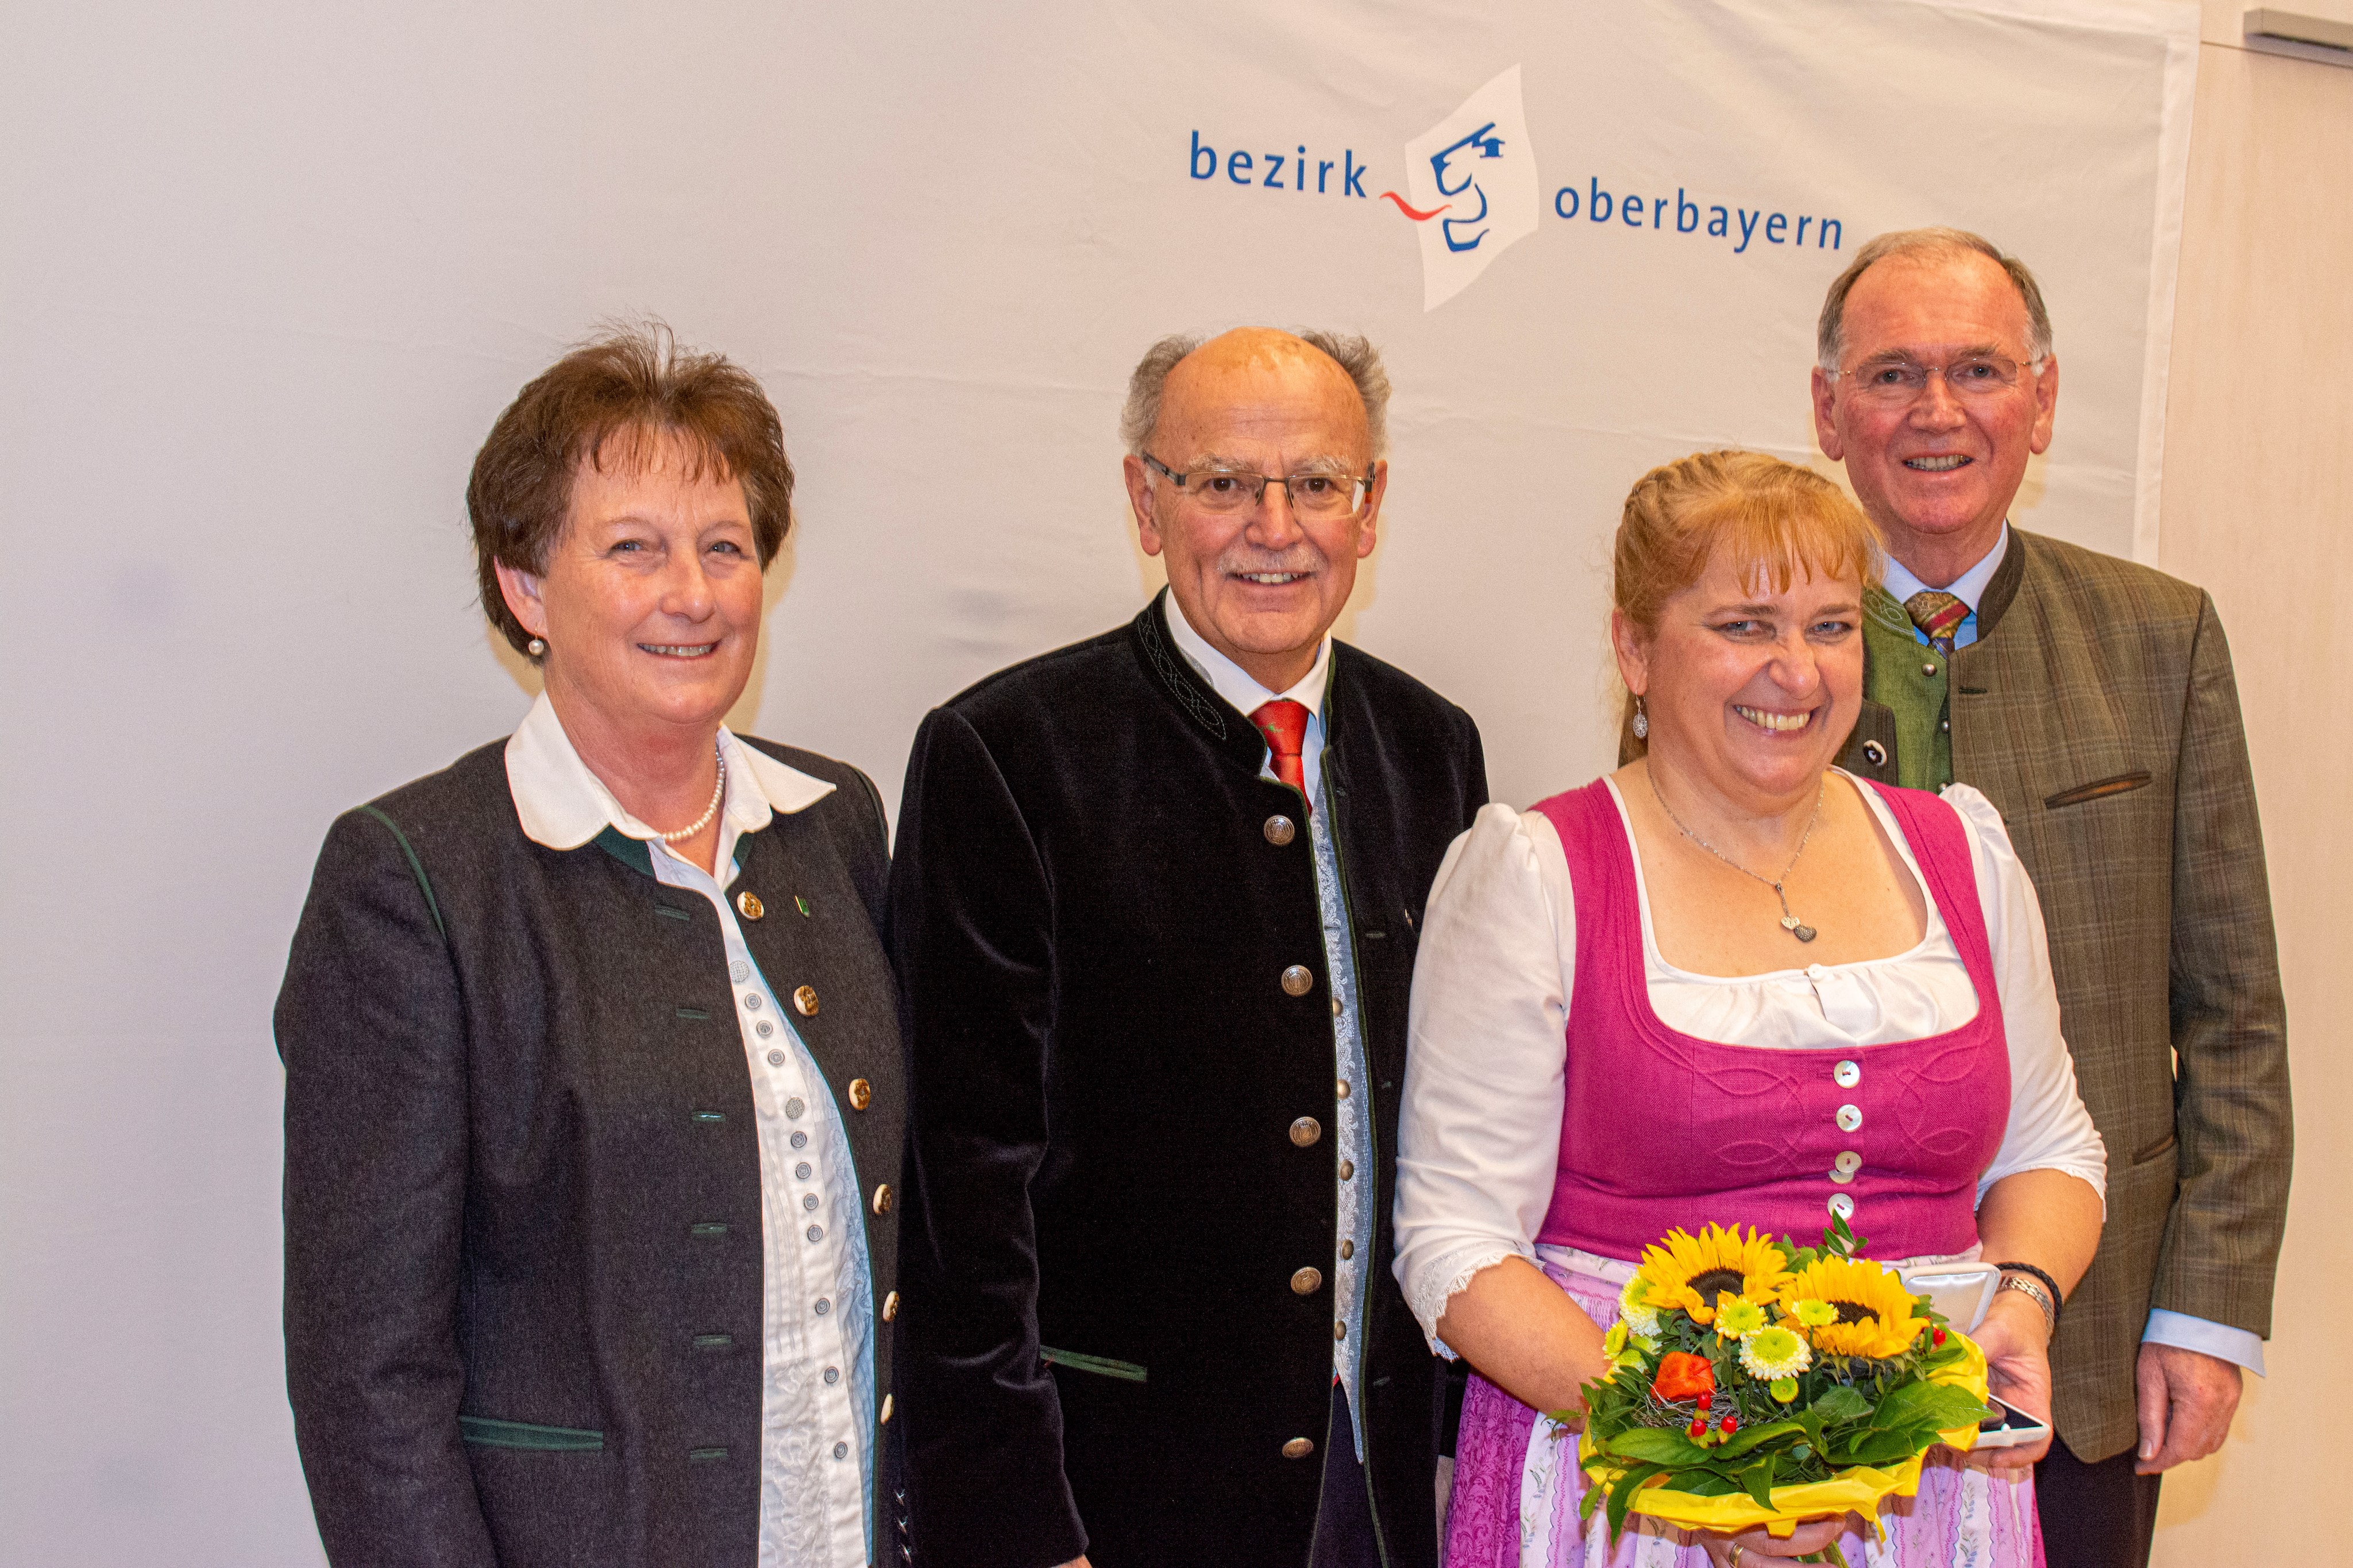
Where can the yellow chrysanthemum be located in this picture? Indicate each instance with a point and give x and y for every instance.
(1691, 1271)
(1775, 1354)
(1634, 1309)
(1737, 1315)
(1876, 1316)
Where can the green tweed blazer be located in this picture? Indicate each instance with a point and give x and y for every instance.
(2099, 711)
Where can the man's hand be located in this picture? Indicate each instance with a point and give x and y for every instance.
(2187, 1400)
(2016, 1339)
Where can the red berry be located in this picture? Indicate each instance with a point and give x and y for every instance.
(1730, 1424)
(1936, 1337)
(1707, 1402)
(1698, 1427)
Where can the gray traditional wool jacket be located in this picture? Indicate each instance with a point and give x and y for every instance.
(523, 1307)
(2097, 709)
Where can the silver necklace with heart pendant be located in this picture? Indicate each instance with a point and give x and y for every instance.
(1789, 922)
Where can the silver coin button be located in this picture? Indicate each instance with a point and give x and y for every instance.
(751, 1001)
(832, 1374)
(792, 1107)
(739, 971)
(776, 1059)
(802, 1170)
(841, 1450)
(823, 1307)
(808, 1202)
(800, 1140)
(816, 1233)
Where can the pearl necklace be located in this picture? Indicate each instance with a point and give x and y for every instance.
(718, 792)
(1789, 922)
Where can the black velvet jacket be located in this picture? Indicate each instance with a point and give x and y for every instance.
(1092, 916)
(523, 1310)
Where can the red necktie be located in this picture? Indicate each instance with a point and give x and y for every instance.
(1284, 724)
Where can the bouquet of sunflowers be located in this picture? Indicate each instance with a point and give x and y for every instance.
(1755, 1381)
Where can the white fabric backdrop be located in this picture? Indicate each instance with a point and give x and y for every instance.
(268, 276)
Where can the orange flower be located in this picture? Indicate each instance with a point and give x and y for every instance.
(1682, 1376)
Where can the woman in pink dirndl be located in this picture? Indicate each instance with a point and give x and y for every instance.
(1730, 983)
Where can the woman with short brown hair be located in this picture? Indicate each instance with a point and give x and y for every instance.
(593, 1086)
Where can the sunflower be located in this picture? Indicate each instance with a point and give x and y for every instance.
(1691, 1271)
(1876, 1316)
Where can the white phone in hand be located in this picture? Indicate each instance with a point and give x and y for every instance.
(2007, 1428)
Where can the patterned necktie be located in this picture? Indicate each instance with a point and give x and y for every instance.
(1939, 616)
(1284, 724)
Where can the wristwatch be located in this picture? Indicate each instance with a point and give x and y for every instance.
(2032, 1289)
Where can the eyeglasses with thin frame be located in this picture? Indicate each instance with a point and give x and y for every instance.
(1899, 381)
(1233, 489)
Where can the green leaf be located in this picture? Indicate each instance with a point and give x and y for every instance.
(1752, 1437)
(1841, 1402)
(1937, 1406)
(1621, 1493)
(1758, 1481)
(1876, 1448)
(1657, 1446)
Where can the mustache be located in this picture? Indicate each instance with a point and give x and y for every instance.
(1301, 556)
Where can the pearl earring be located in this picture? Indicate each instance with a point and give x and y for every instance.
(537, 646)
(1641, 721)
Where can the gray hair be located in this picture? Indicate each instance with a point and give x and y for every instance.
(1353, 355)
(1830, 337)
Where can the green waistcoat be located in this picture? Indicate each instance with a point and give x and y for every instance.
(1909, 676)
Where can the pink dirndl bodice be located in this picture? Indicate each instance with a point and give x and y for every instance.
(1663, 1129)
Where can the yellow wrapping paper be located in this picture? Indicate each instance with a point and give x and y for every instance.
(1856, 1489)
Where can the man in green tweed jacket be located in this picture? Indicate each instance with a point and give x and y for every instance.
(2092, 699)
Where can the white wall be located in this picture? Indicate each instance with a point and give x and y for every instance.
(2259, 508)
(268, 274)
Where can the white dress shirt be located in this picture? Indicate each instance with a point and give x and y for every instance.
(1353, 1227)
(817, 1401)
(1479, 1130)
(2165, 1328)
